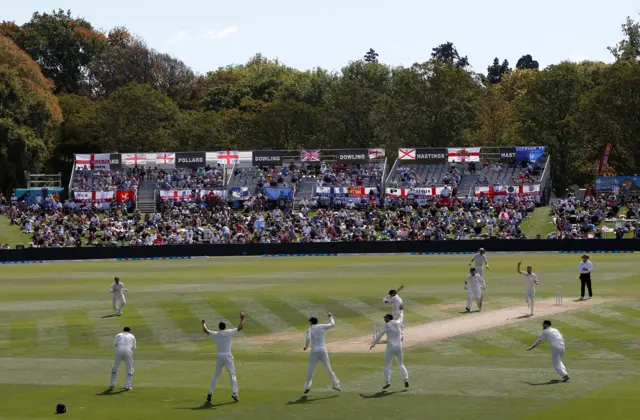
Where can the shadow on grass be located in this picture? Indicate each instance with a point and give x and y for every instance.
(381, 394)
(112, 392)
(108, 316)
(551, 382)
(304, 399)
(524, 316)
(205, 406)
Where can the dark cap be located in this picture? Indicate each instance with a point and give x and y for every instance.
(389, 317)
(313, 320)
(585, 256)
(546, 322)
(222, 325)
(392, 292)
(126, 329)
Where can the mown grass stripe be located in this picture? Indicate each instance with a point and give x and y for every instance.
(285, 312)
(493, 343)
(620, 326)
(165, 330)
(598, 338)
(267, 320)
(106, 326)
(52, 333)
(179, 312)
(24, 334)
(5, 335)
(139, 327)
(424, 312)
(80, 329)
(309, 309)
(449, 348)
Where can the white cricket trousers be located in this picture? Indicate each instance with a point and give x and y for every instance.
(319, 355)
(556, 357)
(473, 292)
(529, 297)
(225, 361)
(389, 354)
(118, 303)
(122, 355)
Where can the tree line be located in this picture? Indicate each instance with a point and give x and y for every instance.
(69, 88)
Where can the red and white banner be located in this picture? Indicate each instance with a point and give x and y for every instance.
(93, 196)
(100, 161)
(229, 157)
(530, 190)
(165, 158)
(396, 192)
(407, 154)
(464, 154)
(431, 192)
(187, 195)
(360, 191)
(125, 195)
(133, 159)
(376, 153)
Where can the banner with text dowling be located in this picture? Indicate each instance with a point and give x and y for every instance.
(191, 160)
(267, 157)
(353, 155)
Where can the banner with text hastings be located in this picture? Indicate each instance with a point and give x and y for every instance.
(433, 155)
(353, 155)
(190, 160)
(267, 157)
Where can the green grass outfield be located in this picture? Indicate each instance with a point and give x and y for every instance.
(56, 343)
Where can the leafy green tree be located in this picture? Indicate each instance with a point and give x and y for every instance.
(61, 44)
(448, 53)
(496, 70)
(629, 47)
(371, 56)
(526, 62)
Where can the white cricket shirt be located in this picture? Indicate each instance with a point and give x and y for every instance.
(529, 280)
(223, 340)
(585, 267)
(396, 302)
(117, 288)
(479, 260)
(125, 340)
(393, 329)
(316, 333)
(553, 336)
(475, 281)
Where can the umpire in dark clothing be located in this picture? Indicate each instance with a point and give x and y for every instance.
(585, 267)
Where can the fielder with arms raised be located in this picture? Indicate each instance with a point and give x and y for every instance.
(125, 344)
(393, 330)
(315, 337)
(530, 281)
(557, 348)
(475, 286)
(223, 340)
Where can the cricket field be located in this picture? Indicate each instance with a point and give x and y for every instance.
(57, 329)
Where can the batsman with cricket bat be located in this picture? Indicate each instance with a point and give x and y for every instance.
(396, 301)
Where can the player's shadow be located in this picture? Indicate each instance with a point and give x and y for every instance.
(304, 399)
(524, 316)
(551, 382)
(111, 392)
(382, 394)
(108, 316)
(205, 406)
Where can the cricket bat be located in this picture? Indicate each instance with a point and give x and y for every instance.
(400, 288)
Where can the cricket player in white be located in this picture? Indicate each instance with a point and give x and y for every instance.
(556, 341)
(396, 302)
(315, 337)
(225, 358)
(125, 344)
(475, 287)
(479, 261)
(530, 281)
(117, 291)
(393, 330)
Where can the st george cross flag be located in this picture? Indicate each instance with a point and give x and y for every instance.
(165, 158)
(228, 157)
(376, 153)
(100, 161)
(310, 156)
(133, 159)
(464, 154)
(407, 154)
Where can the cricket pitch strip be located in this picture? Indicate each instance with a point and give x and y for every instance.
(469, 323)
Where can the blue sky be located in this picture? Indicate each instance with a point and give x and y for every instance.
(207, 34)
